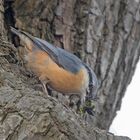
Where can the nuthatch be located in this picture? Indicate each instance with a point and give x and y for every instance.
(57, 68)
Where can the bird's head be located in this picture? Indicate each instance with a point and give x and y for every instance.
(24, 38)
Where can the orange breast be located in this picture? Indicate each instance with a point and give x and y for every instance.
(60, 79)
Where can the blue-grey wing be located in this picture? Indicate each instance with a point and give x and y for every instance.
(47, 47)
(69, 61)
(63, 58)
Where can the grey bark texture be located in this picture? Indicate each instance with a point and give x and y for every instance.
(103, 33)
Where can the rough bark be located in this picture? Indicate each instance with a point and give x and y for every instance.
(104, 33)
(117, 49)
(2, 30)
(108, 41)
(25, 114)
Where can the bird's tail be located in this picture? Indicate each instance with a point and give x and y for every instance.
(93, 84)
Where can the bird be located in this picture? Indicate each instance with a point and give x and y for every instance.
(57, 68)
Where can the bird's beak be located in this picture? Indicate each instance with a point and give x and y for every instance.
(13, 30)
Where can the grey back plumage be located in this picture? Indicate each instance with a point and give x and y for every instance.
(63, 58)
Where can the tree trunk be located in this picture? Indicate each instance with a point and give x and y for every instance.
(104, 34)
